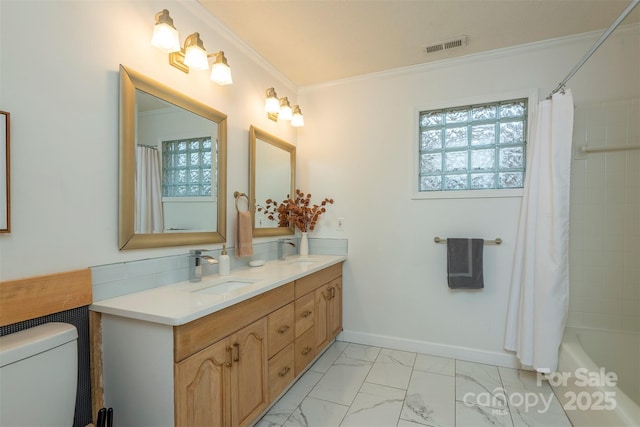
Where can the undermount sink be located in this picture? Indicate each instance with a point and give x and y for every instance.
(221, 286)
(304, 262)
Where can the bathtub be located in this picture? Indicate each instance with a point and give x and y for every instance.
(586, 383)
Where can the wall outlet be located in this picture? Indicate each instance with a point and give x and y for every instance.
(340, 224)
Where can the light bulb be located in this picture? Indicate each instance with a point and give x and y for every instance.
(165, 35)
(220, 70)
(195, 55)
(271, 103)
(285, 109)
(297, 120)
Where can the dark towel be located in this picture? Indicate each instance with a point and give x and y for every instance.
(464, 263)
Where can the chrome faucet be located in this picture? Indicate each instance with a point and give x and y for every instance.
(281, 251)
(195, 264)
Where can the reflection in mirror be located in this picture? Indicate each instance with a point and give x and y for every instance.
(272, 177)
(172, 167)
(176, 157)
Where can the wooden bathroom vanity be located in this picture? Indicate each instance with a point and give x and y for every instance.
(217, 360)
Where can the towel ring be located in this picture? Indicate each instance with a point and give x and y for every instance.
(237, 195)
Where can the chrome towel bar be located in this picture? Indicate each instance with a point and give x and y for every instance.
(604, 148)
(497, 241)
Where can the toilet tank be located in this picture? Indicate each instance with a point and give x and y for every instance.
(38, 376)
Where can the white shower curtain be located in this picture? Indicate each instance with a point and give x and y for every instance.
(539, 297)
(148, 215)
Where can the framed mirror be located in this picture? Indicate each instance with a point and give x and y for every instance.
(5, 175)
(271, 177)
(173, 167)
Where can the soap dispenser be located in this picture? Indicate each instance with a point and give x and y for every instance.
(224, 262)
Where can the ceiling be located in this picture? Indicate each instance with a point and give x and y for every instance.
(316, 41)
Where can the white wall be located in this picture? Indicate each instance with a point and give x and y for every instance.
(357, 147)
(59, 65)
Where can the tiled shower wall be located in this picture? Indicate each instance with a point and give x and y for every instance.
(605, 218)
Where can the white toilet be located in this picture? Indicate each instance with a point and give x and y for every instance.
(38, 376)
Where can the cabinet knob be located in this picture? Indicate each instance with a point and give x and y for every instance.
(306, 351)
(307, 314)
(283, 329)
(284, 371)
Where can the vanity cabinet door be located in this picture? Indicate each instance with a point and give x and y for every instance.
(322, 297)
(334, 316)
(249, 380)
(226, 383)
(328, 319)
(202, 388)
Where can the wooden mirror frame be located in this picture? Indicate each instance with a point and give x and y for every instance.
(5, 187)
(254, 135)
(131, 80)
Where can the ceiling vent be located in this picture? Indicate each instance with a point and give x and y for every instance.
(446, 45)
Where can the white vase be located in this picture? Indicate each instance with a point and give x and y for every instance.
(304, 244)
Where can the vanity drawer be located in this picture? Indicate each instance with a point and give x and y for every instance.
(281, 372)
(305, 350)
(304, 313)
(201, 333)
(309, 283)
(280, 329)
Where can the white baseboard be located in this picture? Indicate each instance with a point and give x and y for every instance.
(443, 350)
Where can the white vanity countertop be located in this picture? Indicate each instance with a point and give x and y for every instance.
(183, 302)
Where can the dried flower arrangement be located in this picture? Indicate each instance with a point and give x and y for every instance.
(273, 209)
(299, 211)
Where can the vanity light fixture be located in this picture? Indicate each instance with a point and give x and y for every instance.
(285, 109)
(192, 55)
(195, 55)
(165, 35)
(281, 109)
(220, 70)
(272, 103)
(297, 119)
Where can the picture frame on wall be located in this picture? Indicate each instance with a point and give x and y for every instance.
(5, 200)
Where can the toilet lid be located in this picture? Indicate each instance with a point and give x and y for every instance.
(30, 342)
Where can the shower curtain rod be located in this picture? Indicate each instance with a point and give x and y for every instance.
(595, 47)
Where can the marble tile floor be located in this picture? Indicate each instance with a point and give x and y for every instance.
(353, 385)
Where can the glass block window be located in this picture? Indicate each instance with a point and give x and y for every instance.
(477, 147)
(186, 168)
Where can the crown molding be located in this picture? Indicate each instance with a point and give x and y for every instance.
(198, 10)
(462, 60)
